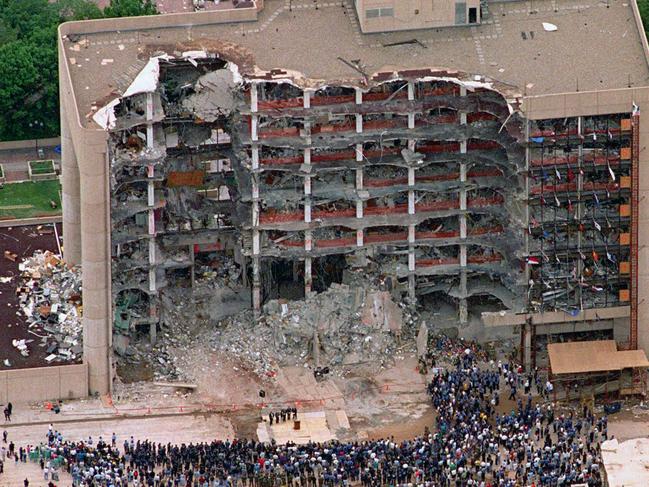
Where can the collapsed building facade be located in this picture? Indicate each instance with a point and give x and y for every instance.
(451, 188)
(419, 175)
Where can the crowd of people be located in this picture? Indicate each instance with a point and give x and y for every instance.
(478, 440)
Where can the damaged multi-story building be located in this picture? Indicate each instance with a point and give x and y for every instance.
(490, 170)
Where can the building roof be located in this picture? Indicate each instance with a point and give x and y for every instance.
(626, 463)
(596, 46)
(593, 356)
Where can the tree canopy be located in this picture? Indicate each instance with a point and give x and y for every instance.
(29, 105)
(643, 7)
(130, 8)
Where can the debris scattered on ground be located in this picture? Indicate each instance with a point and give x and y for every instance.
(21, 345)
(342, 326)
(50, 298)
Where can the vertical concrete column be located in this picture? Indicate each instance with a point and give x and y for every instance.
(359, 123)
(359, 96)
(254, 98)
(254, 124)
(359, 181)
(256, 238)
(152, 279)
(411, 191)
(360, 236)
(308, 237)
(464, 309)
(153, 324)
(307, 98)
(256, 281)
(149, 120)
(153, 329)
(192, 260)
(308, 247)
(412, 264)
(412, 280)
(463, 306)
(95, 252)
(527, 330)
(151, 219)
(359, 152)
(308, 276)
(70, 195)
(411, 233)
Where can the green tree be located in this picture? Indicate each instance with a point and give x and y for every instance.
(29, 59)
(643, 6)
(130, 8)
(27, 17)
(7, 33)
(79, 10)
(20, 81)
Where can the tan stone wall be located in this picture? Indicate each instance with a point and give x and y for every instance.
(29, 144)
(86, 213)
(411, 14)
(44, 383)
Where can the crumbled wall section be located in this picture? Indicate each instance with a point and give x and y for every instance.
(420, 173)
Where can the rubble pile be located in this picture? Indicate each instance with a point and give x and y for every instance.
(339, 327)
(346, 325)
(50, 298)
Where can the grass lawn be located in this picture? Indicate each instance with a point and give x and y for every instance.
(42, 167)
(30, 199)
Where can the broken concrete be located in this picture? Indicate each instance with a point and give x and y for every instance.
(50, 298)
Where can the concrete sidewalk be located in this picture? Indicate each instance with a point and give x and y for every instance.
(102, 409)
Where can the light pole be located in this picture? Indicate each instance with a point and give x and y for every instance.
(36, 126)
